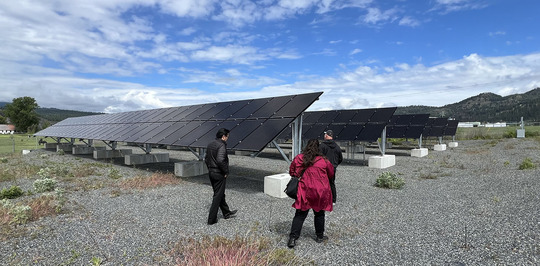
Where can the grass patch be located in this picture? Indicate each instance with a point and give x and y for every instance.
(153, 181)
(389, 180)
(238, 251)
(527, 164)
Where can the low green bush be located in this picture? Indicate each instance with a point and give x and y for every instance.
(44, 185)
(390, 180)
(527, 164)
(11, 193)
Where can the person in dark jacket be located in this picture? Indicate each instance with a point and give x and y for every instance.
(217, 161)
(332, 151)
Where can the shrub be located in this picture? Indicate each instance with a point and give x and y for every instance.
(3, 160)
(60, 152)
(45, 173)
(389, 180)
(527, 164)
(510, 134)
(11, 193)
(20, 214)
(44, 184)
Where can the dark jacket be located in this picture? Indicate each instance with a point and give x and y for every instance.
(216, 158)
(332, 151)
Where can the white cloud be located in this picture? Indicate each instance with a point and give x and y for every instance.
(376, 16)
(409, 21)
(355, 51)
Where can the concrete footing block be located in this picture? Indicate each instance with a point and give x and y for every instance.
(189, 169)
(381, 162)
(24, 152)
(439, 147)
(83, 149)
(421, 152)
(50, 145)
(452, 144)
(133, 159)
(274, 185)
(66, 147)
(107, 154)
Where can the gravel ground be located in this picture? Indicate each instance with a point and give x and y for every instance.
(468, 205)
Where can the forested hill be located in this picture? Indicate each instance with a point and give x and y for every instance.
(486, 107)
(54, 115)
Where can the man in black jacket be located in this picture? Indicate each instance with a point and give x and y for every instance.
(332, 151)
(217, 161)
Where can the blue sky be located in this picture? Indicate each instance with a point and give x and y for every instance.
(123, 55)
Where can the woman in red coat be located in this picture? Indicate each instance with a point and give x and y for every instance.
(313, 190)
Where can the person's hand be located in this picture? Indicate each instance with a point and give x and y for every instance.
(225, 176)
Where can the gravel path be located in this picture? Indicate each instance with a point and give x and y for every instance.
(468, 205)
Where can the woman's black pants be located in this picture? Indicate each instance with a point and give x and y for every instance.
(298, 221)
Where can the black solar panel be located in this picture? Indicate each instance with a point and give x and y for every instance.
(438, 127)
(356, 124)
(406, 126)
(253, 123)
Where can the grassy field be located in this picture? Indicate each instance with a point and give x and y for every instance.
(17, 142)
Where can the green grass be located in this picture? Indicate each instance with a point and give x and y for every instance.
(494, 132)
(18, 142)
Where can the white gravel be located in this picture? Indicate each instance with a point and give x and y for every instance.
(478, 210)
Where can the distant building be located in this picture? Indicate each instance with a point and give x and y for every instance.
(7, 129)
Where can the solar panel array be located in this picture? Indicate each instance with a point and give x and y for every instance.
(347, 125)
(438, 127)
(406, 126)
(253, 123)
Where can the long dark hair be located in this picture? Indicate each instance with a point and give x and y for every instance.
(311, 151)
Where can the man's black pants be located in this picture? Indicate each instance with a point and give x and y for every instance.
(218, 182)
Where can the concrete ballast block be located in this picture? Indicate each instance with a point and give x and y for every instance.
(66, 147)
(381, 162)
(439, 147)
(189, 169)
(133, 159)
(453, 144)
(421, 152)
(106, 154)
(274, 185)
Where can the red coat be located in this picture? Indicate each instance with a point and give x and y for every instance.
(314, 188)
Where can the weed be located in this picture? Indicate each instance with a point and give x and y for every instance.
(389, 180)
(43, 156)
(238, 251)
(506, 163)
(3, 160)
(20, 214)
(428, 176)
(114, 173)
(44, 184)
(96, 261)
(527, 164)
(60, 152)
(42, 206)
(11, 193)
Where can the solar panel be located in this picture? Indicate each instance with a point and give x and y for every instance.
(438, 127)
(406, 126)
(253, 123)
(355, 124)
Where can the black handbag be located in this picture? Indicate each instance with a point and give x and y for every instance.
(292, 187)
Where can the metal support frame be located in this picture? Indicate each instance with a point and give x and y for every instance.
(111, 144)
(281, 152)
(440, 140)
(147, 148)
(420, 142)
(382, 144)
(297, 136)
(89, 143)
(200, 154)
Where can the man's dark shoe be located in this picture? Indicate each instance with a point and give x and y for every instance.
(229, 215)
(292, 242)
(321, 239)
(212, 222)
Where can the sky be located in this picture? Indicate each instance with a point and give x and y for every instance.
(124, 55)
